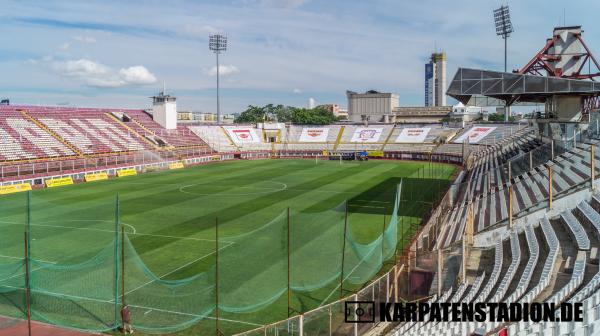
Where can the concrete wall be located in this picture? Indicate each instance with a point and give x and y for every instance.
(373, 105)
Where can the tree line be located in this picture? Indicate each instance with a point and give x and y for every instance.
(280, 113)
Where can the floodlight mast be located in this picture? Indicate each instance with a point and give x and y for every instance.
(503, 28)
(217, 43)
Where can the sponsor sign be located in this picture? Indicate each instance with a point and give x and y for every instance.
(375, 153)
(176, 165)
(63, 181)
(241, 135)
(314, 134)
(366, 134)
(413, 135)
(475, 134)
(13, 188)
(126, 172)
(215, 158)
(96, 177)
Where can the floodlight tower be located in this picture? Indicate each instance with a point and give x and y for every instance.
(504, 28)
(217, 43)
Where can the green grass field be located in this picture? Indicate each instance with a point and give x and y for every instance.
(170, 220)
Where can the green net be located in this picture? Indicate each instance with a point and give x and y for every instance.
(13, 219)
(244, 287)
(84, 264)
(160, 305)
(74, 261)
(316, 242)
(363, 261)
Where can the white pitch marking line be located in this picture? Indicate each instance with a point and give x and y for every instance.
(110, 231)
(133, 305)
(270, 190)
(177, 269)
(21, 258)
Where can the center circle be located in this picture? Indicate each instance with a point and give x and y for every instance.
(223, 188)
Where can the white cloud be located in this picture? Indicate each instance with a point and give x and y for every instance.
(297, 91)
(224, 70)
(284, 3)
(84, 39)
(200, 30)
(65, 46)
(99, 75)
(137, 75)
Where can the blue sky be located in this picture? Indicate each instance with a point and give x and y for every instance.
(118, 53)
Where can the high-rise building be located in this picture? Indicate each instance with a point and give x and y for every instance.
(435, 80)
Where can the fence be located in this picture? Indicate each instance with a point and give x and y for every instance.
(29, 170)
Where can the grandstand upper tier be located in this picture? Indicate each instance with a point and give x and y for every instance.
(425, 138)
(35, 132)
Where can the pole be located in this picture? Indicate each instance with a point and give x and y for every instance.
(122, 267)
(27, 285)
(593, 168)
(510, 206)
(440, 268)
(383, 236)
(218, 333)
(550, 185)
(344, 250)
(218, 102)
(289, 292)
(505, 53)
(117, 260)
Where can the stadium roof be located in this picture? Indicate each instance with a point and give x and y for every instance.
(470, 85)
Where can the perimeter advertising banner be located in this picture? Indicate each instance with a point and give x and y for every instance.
(375, 153)
(241, 135)
(314, 134)
(96, 177)
(126, 172)
(176, 165)
(366, 134)
(413, 135)
(63, 181)
(475, 134)
(13, 188)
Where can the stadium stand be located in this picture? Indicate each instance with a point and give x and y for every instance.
(26, 140)
(37, 132)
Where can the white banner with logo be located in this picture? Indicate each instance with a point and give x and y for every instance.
(241, 135)
(413, 135)
(475, 134)
(366, 134)
(314, 134)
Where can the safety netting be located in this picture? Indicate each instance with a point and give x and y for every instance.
(85, 286)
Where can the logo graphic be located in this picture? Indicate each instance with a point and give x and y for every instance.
(314, 133)
(367, 134)
(242, 134)
(359, 312)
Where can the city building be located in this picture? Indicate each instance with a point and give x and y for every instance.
(336, 110)
(371, 105)
(435, 80)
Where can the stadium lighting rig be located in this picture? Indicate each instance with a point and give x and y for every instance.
(504, 27)
(217, 43)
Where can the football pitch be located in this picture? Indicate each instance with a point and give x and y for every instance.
(169, 219)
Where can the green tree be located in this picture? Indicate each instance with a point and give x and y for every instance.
(281, 113)
(252, 114)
